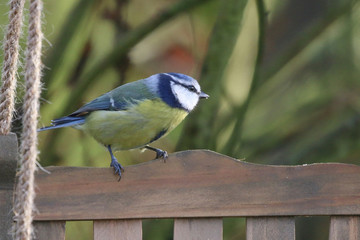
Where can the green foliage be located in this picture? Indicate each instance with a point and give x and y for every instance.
(221, 44)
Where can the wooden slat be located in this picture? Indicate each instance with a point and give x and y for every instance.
(198, 229)
(344, 228)
(8, 161)
(49, 230)
(270, 228)
(118, 229)
(198, 184)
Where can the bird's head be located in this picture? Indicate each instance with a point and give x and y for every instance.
(178, 90)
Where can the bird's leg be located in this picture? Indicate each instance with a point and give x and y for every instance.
(159, 153)
(114, 163)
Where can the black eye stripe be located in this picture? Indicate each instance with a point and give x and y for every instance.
(189, 87)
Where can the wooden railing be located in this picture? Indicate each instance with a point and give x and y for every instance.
(195, 188)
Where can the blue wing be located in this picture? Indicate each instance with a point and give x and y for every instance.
(118, 99)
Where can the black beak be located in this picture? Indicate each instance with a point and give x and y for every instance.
(204, 95)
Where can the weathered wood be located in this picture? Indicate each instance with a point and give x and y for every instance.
(198, 184)
(344, 228)
(49, 230)
(118, 229)
(270, 228)
(198, 229)
(8, 161)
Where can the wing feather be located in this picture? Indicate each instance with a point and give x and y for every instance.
(118, 99)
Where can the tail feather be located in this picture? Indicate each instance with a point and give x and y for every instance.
(63, 122)
(67, 119)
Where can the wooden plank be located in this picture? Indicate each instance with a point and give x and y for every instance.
(49, 230)
(270, 228)
(198, 184)
(344, 228)
(118, 229)
(198, 229)
(8, 161)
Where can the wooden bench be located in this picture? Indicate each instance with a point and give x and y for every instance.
(195, 188)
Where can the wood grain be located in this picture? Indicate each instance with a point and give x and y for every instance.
(270, 228)
(198, 229)
(8, 161)
(197, 184)
(49, 230)
(344, 228)
(118, 229)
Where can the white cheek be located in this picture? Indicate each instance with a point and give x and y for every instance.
(186, 98)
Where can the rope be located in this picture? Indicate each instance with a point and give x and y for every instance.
(11, 55)
(24, 204)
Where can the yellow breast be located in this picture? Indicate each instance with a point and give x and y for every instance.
(135, 127)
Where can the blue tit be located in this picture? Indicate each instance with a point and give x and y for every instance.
(136, 114)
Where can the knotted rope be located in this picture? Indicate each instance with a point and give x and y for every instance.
(24, 204)
(25, 194)
(9, 70)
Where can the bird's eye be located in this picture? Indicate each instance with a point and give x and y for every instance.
(192, 89)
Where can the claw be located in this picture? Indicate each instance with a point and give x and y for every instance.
(159, 153)
(115, 164)
(117, 167)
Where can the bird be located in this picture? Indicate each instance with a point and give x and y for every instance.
(136, 114)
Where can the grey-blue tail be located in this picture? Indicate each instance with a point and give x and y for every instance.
(67, 121)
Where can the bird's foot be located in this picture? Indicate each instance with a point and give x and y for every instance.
(117, 167)
(159, 153)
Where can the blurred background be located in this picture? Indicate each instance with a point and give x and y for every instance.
(283, 77)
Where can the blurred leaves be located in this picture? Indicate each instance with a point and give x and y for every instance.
(200, 131)
(79, 22)
(234, 141)
(325, 121)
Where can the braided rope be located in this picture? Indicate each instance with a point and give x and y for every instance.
(24, 204)
(11, 56)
